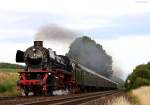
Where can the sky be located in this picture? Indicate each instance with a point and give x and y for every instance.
(120, 26)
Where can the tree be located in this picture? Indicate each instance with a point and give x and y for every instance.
(139, 77)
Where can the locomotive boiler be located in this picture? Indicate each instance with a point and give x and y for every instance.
(46, 72)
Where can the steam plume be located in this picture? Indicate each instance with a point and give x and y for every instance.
(54, 32)
(91, 55)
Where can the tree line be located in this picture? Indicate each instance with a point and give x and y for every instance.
(139, 77)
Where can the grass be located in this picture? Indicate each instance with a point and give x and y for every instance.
(119, 101)
(8, 70)
(142, 94)
(8, 76)
(133, 99)
(8, 83)
(8, 67)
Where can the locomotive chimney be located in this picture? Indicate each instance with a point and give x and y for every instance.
(38, 43)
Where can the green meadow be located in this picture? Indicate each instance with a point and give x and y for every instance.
(8, 79)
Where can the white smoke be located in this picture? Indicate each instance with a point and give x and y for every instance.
(30, 93)
(61, 92)
(91, 55)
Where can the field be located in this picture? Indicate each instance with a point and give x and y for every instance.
(119, 101)
(8, 70)
(8, 81)
(140, 96)
(143, 95)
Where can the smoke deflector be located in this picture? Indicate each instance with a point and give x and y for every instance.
(20, 56)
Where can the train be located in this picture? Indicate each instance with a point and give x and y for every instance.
(46, 72)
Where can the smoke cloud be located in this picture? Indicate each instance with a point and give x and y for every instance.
(54, 32)
(91, 55)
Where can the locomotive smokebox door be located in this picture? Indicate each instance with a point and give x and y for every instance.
(38, 43)
(20, 56)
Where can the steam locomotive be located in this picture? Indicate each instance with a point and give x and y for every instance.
(46, 72)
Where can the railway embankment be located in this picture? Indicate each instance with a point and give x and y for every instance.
(138, 96)
(121, 98)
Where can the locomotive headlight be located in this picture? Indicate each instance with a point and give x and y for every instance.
(49, 73)
(34, 49)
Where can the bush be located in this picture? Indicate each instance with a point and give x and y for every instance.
(7, 85)
(139, 77)
(141, 82)
(142, 72)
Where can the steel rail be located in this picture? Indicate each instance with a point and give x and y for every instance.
(71, 99)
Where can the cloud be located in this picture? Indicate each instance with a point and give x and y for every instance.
(77, 7)
(128, 51)
(122, 26)
(14, 36)
(91, 15)
(8, 53)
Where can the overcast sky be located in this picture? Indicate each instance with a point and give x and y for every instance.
(121, 26)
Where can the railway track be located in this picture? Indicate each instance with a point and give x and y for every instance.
(72, 99)
(17, 98)
(14, 98)
(20, 99)
(7, 98)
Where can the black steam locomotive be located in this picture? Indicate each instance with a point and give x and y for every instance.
(46, 72)
(38, 57)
